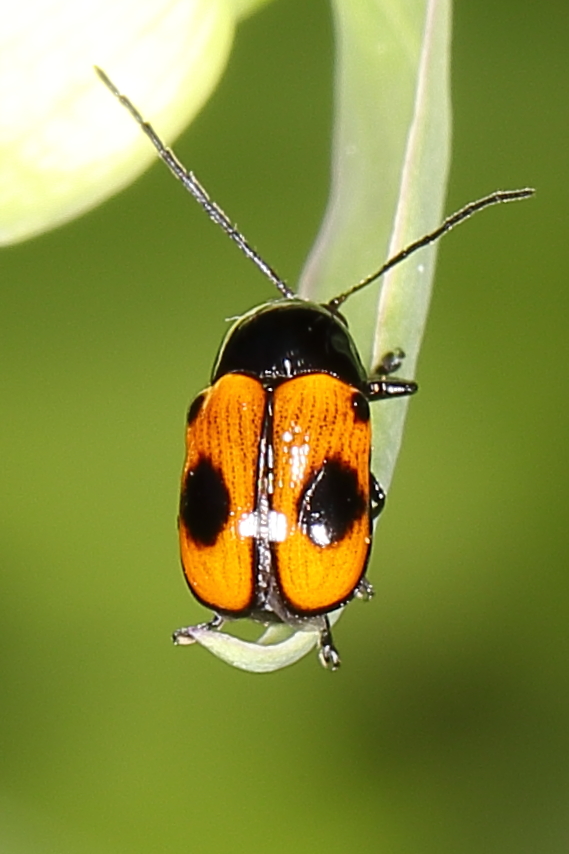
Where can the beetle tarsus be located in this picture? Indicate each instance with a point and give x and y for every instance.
(390, 363)
(377, 497)
(327, 652)
(364, 591)
(185, 635)
(329, 657)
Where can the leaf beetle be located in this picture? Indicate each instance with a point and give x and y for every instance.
(277, 498)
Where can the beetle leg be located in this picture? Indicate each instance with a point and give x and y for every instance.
(379, 387)
(377, 497)
(364, 590)
(185, 636)
(327, 653)
(390, 363)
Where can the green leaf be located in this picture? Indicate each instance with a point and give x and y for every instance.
(389, 171)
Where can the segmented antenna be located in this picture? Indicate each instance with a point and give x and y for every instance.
(191, 183)
(449, 223)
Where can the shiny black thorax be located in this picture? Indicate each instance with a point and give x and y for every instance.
(287, 338)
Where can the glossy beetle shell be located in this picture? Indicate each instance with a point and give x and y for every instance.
(275, 511)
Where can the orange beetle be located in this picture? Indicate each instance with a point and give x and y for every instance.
(277, 496)
(278, 500)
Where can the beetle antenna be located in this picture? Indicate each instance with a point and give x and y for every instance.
(193, 186)
(448, 224)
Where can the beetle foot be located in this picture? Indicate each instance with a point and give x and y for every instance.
(327, 652)
(364, 590)
(390, 363)
(329, 657)
(185, 636)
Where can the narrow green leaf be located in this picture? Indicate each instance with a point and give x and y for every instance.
(389, 171)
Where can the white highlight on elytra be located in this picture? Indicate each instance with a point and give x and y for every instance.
(320, 534)
(250, 526)
(298, 458)
(297, 454)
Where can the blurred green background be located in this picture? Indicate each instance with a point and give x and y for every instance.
(447, 729)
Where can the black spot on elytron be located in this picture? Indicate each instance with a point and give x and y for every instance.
(360, 407)
(195, 407)
(330, 503)
(204, 503)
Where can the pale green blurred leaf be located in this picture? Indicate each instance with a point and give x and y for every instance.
(65, 145)
(243, 8)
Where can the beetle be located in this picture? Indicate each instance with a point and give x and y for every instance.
(277, 499)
